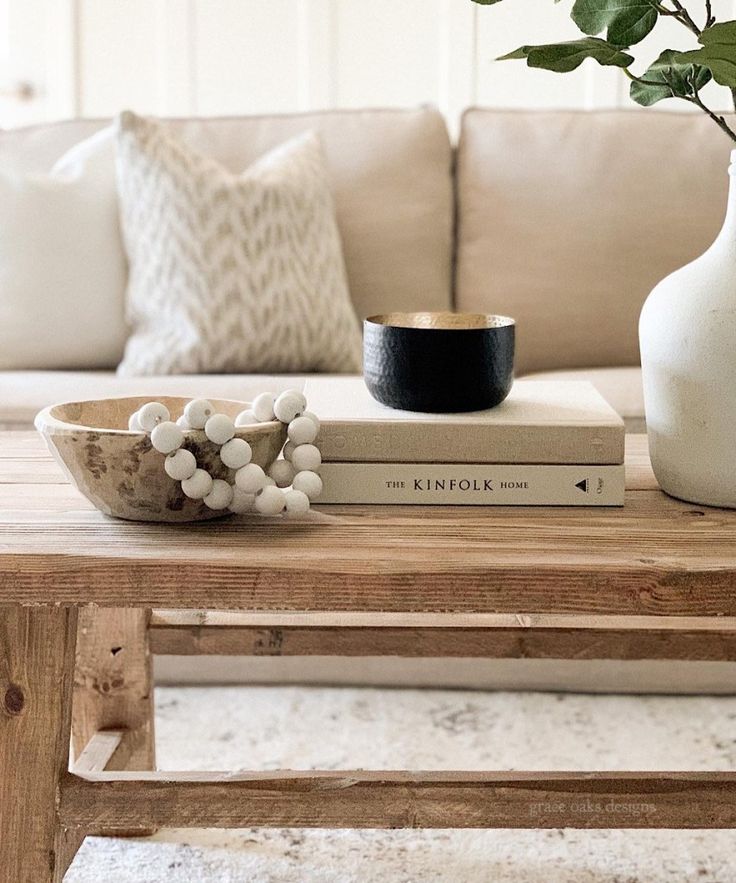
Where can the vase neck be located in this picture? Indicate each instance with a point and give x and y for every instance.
(729, 224)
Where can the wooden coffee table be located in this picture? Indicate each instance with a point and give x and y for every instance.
(656, 579)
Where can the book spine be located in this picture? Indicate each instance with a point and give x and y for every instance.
(435, 442)
(472, 485)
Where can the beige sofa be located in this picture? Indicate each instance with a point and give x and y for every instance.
(564, 220)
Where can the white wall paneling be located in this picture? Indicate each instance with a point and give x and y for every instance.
(38, 75)
(179, 57)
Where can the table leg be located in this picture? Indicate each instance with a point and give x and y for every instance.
(113, 687)
(36, 672)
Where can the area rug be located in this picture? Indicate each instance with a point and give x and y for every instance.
(303, 728)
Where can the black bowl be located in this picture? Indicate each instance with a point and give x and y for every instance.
(439, 362)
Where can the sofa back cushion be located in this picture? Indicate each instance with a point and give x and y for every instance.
(63, 269)
(390, 172)
(568, 219)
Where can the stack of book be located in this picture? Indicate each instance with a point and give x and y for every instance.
(551, 443)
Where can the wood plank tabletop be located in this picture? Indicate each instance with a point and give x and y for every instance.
(655, 556)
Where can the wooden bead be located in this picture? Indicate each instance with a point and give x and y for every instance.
(306, 458)
(288, 405)
(246, 418)
(297, 503)
(251, 478)
(219, 429)
(302, 431)
(282, 472)
(167, 437)
(180, 465)
(236, 453)
(220, 496)
(150, 415)
(241, 502)
(270, 501)
(313, 417)
(198, 412)
(309, 483)
(198, 486)
(262, 407)
(133, 423)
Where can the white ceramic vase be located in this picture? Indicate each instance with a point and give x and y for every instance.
(687, 333)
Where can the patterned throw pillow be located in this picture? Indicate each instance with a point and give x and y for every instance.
(231, 273)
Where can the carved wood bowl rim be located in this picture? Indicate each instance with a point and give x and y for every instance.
(50, 419)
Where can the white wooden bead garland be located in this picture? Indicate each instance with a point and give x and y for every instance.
(292, 482)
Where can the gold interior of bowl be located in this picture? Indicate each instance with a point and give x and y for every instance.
(442, 321)
(112, 414)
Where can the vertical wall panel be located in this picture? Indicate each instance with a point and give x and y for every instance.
(207, 57)
(456, 59)
(176, 67)
(317, 21)
(246, 56)
(386, 52)
(37, 50)
(120, 45)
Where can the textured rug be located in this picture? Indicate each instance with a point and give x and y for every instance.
(302, 728)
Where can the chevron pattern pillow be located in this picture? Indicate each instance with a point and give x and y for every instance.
(231, 273)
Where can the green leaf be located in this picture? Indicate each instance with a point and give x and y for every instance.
(627, 21)
(718, 53)
(564, 57)
(725, 32)
(671, 79)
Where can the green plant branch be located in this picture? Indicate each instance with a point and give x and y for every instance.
(635, 79)
(679, 13)
(709, 17)
(682, 15)
(718, 120)
(624, 25)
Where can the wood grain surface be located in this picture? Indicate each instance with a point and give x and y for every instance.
(36, 666)
(197, 632)
(113, 685)
(656, 556)
(656, 578)
(361, 799)
(98, 752)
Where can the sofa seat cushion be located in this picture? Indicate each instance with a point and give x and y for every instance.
(620, 387)
(24, 393)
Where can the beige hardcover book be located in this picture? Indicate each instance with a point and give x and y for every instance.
(552, 422)
(474, 484)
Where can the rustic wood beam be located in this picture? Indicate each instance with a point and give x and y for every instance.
(36, 668)
(98, 751)
(113, 685)
(197, 632)
(360, 799)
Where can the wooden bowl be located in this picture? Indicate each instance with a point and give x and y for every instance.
(119, 470)
(439, 362)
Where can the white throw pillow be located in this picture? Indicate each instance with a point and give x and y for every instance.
(231, 273)
(62, 263)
